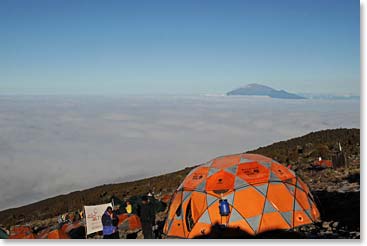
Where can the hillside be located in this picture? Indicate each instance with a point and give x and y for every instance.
(262, 90)
(336, 189)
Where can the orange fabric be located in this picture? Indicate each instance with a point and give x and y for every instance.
(282, 172)
(323, 163)
(200, 229)
(68, 227)
(132, 220)
(253, 172)
(23, 236)
(262, 195)
(221, 181)
(57, 234)
(249, 202)
(122, 218)
(176, 202)
(199, 206)
(21, 232)
(195, 178)
(282, 202)
(50, 233)
(43, 234)
(242, 225)
(272, 221)
(64, 227)
(166, 198)
(226, 161)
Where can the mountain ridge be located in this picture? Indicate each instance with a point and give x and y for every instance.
(262, 90)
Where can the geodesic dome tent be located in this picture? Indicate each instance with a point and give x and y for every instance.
(261, 195)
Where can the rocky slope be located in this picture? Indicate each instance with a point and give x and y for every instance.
(336, 190)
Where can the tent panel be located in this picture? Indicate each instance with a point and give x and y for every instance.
(302, 199)
(281, 171)
(196, 177)
(220, 181)
(176, 202)
(249, 202)
(215, 215)
(198, 205)
(226, 161)
(242, 225)
(301, 218)
(273, 221)
(176, 229)
(200, 229)
(280, 197)
(302, 184)
(253, 173)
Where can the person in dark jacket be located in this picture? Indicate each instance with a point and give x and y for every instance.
(110, 222)
(147, 217)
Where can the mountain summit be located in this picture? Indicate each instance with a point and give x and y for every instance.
(263, 90)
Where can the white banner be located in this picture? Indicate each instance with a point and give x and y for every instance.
(93, 217)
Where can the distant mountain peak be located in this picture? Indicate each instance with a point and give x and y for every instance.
(255, 89)
(255, 85)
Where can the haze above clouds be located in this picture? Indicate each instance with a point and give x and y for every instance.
(53, 145)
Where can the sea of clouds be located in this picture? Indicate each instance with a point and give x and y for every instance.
(51, 145)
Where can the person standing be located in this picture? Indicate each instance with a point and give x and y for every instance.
(129, 207)
(147, 217)
(109, 222)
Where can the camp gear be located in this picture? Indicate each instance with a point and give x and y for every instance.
(223, 207)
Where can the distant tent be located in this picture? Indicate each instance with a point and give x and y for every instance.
(75, 230)
(21, 232)
(129, 222)
(247, 192)
(53, 233)
(57, 234)
(323, 163)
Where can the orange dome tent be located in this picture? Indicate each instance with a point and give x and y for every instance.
(261, 194)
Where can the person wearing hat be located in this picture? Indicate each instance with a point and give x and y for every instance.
(147, 217)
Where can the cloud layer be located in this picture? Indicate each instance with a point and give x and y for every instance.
(53, 145)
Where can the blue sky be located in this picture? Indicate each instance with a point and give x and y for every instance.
(178, 47)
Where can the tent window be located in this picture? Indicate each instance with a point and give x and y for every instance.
(188, 217)
(178, 211)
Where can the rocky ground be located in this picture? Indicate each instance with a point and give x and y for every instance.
(336, 190)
